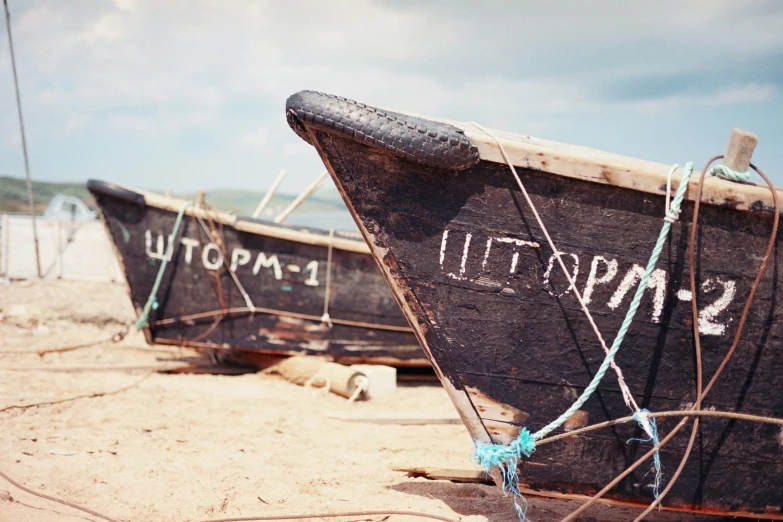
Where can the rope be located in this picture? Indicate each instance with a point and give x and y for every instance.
(283, 313)
(697, 341)
(506, 459)
(637, 298)
(325, 317)
(114, 338)
(245, 296)
(643, 418)
(490, 454)
(626, 393)
(336, 515)
(671, 215)
(55, 499)
(662, 415)
(362, 385)
(722, 171)
(697, 338)
(250, 308)
(239, 519)
(152, 302)
(77, 397)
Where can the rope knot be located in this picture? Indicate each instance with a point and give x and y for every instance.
(506, 457)
(724, 172)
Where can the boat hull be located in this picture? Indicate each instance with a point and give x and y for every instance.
(199, 304)
(476, 278)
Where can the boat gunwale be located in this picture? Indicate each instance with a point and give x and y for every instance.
(241, 224)
(595, 165)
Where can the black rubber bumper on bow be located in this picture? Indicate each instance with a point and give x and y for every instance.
(104, 188)
(423, 141)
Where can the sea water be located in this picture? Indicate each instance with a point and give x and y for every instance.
(338, 220)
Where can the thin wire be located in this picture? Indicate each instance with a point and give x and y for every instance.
(77, 397)
(696, 337)
(283, 313)
(24, 139)
(663, 415)
(238, 519)
(335, 515)
(55, 499)
(727, 357)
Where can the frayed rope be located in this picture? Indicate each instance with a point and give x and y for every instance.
(506, 458)
(647, 423)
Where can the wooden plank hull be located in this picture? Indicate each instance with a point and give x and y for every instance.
(200, 305)
(477, 280)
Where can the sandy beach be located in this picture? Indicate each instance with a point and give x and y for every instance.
(192, 446)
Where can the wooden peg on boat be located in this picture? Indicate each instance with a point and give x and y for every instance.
(201, 197)
(739, 150)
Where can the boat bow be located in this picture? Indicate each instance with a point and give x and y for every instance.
(427, 142)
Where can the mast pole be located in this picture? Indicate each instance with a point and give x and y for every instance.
(24, 140)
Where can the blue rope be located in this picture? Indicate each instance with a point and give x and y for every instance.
(506, 458)
(637, 298)
(152, 302)
(654, 441)
(499, 455)
(722, 171)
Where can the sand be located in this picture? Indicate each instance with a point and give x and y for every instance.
(182, 447)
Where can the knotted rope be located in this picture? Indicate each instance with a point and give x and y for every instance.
(506, 459)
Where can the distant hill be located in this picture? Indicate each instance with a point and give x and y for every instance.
(13, 193)
(13, 197)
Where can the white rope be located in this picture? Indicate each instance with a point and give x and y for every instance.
(671, 215)
(362, 385)
(626, 393)
(245, 296)
(325, 318)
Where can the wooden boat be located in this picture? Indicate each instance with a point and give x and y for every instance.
(478, 282)
(285, 273)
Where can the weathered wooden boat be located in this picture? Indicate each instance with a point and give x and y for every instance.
(476, 278)
(250, 285)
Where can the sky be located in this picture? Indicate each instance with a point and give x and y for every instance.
(190, 94)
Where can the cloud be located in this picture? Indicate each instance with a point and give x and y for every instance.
(143, 69)
(431, 57)
(75, 122)
(257, 139)
(160, 123)
(749, 93)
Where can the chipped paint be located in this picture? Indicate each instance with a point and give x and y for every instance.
(488, 408)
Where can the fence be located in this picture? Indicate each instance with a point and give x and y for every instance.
(75, 250)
